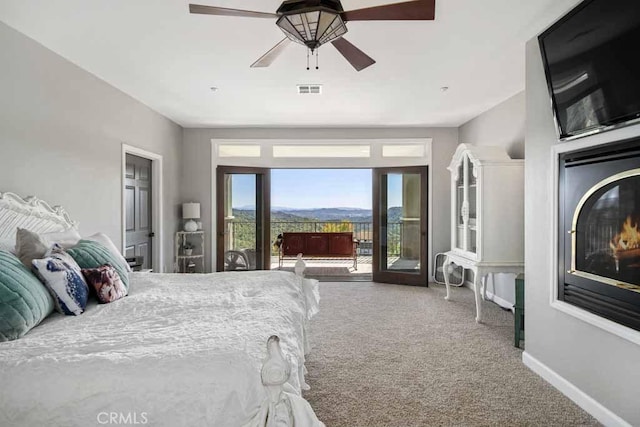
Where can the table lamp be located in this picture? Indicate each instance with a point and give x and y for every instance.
(190, 211)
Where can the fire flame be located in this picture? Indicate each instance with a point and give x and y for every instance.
(628, 238)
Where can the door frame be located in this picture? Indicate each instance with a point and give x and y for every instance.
(266, 160)
(222, 170)
(388, 276)
(157, 262)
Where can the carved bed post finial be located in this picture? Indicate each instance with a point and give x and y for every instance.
(275, 373)
(300, 266)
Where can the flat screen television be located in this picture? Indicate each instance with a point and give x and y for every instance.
(592, 63)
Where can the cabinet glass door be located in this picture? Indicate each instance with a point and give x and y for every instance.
(243, 219)
(459, 194)
(472, 203)
(466, 207)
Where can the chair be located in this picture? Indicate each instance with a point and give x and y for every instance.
(236, 261)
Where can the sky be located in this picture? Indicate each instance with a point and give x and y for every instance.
(315, 188)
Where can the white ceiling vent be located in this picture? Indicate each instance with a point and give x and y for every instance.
(309, 89)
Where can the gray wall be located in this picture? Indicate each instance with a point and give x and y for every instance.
(600, 364)
(196, 168)
(501, 126)
(61, 132)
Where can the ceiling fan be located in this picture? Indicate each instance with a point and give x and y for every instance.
(316, 22)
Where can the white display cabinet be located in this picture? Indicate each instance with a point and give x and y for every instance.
(487, 214)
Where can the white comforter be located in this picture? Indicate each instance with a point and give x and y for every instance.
(179, 350)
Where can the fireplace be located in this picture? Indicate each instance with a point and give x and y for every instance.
(599, 231)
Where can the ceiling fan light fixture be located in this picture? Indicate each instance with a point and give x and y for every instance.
(311, 22)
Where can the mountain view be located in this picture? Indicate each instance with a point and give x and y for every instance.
(327, 214)
(344, 194)
(357, 220)
(281, 214)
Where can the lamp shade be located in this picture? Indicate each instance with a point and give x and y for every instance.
(190, 210)
(311, 22)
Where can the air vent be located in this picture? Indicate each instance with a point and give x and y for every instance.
(309, 89)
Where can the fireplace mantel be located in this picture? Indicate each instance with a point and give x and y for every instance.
(600, 162)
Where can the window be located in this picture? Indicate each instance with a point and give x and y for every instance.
(238, 150)
(403, 150)
(316, 151)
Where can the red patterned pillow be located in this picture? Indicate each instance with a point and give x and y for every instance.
(106, 282)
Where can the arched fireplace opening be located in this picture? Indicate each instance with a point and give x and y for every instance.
(606, 232)
(599, 229)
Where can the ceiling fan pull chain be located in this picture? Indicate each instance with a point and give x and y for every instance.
(317, 55)
(307, 59)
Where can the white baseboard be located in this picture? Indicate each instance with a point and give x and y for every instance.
(500, 301)
(583, 400)
(493, 298)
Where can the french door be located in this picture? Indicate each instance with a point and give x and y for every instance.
(243, 218)
(400, 197)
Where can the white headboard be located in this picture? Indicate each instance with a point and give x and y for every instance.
(30, 213)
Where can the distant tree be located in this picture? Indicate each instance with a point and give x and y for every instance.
(337, 227)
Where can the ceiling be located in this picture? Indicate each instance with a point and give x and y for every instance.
(158, 53)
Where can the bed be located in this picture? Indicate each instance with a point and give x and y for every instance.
(221, 349)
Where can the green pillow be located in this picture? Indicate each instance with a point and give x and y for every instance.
(90, 254)
(24, 300)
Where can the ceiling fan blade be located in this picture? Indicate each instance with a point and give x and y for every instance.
(268, 58)
(355, 56)
(212, 10)
(418, 10)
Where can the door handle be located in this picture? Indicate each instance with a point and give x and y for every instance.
(152, 234)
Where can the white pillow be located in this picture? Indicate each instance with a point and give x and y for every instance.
(8, 245)
(67, 238)
(108, 243)
(29, 246)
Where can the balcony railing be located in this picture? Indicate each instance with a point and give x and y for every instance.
(242, 233)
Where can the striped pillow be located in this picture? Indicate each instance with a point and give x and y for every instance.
(24, 301)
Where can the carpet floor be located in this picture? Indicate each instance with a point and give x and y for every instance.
(389, 355)
(322, 271)
(333, 274)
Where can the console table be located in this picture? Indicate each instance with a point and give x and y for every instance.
(480, 270)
